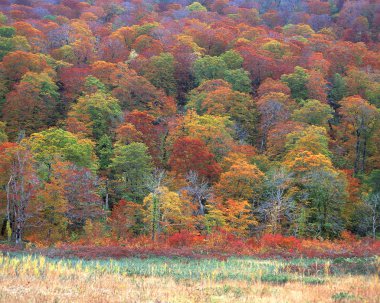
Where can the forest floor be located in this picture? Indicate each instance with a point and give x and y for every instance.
(36, 278)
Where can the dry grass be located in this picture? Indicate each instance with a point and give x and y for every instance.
(40, 280)
(111, 288)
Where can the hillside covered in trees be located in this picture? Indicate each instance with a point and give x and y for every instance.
(157, 120)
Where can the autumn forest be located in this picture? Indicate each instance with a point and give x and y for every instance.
(227, 122)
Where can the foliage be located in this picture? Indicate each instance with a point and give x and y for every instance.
(131, 166)
(229, 118)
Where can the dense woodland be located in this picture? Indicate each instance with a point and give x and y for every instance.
(148, 118)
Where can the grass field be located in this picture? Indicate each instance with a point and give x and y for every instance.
(35, 278)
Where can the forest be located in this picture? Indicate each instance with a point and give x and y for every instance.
(231, 124)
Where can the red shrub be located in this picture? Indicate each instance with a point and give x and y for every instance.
(280, 241)
(185, 238)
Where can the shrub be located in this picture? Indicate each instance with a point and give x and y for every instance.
(274, 278)
(184, 238)
(273, 241)
(313, 280)
(342, 296)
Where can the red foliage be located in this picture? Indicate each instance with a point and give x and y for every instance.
(193, 154)
(185, 239)
(280, 241)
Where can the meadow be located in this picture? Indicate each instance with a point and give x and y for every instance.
(37, 278)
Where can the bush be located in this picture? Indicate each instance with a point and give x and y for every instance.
(313, 280)
(274, 278)
(342, 296)
(280, 241)
(184, 238)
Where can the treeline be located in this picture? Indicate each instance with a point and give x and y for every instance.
(127, 118)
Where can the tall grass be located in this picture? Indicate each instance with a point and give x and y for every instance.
(240, 269)
(36, 278)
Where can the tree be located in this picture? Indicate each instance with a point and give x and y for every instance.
(18, 63)
(56, 144)
(208, 67)
(232, 59)
(372, 201)
(322, 194)
(223, 101)
(277, 137)
(131, 166)
(243, 181)
(272, 86)
(279, 203)
(48, 213)
(98, 111)
(233, 216)
(125, 218)
(142, 127)
(137, 93)
(33, 105)
(360, 119)
(166, 212)
(338, 90)
(317, 86)
(297, 83)
(239, 79)
(327, 192)
(274, 108)
(160, 72)
(191, 154)
(199, 191)
(196, 7)
(260, 66)
(313, 112)
(373, 204)
(80, 190)
(104, 151)
(20, 182)
(3, 134)
(215, 131)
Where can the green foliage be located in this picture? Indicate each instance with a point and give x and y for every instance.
(342, 297)
(297, 83)
(313, 280)
(372, 94)
(6, 46)
(3, 18)
(44, 83)
(313, 139)
(93, 84)
(303, 30)
(33, 104)
(104, 151)
(274, 278)
(7, 31)
(239, 79)
(56, 144)
(3, 134)
(161, 73)
(327, 193)
(232, 59)
(374, 180)
(339, 88)
(209, 67)
(99, 111)
(9, 43)
(132, 166)
(196, 7)
(313, 112)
